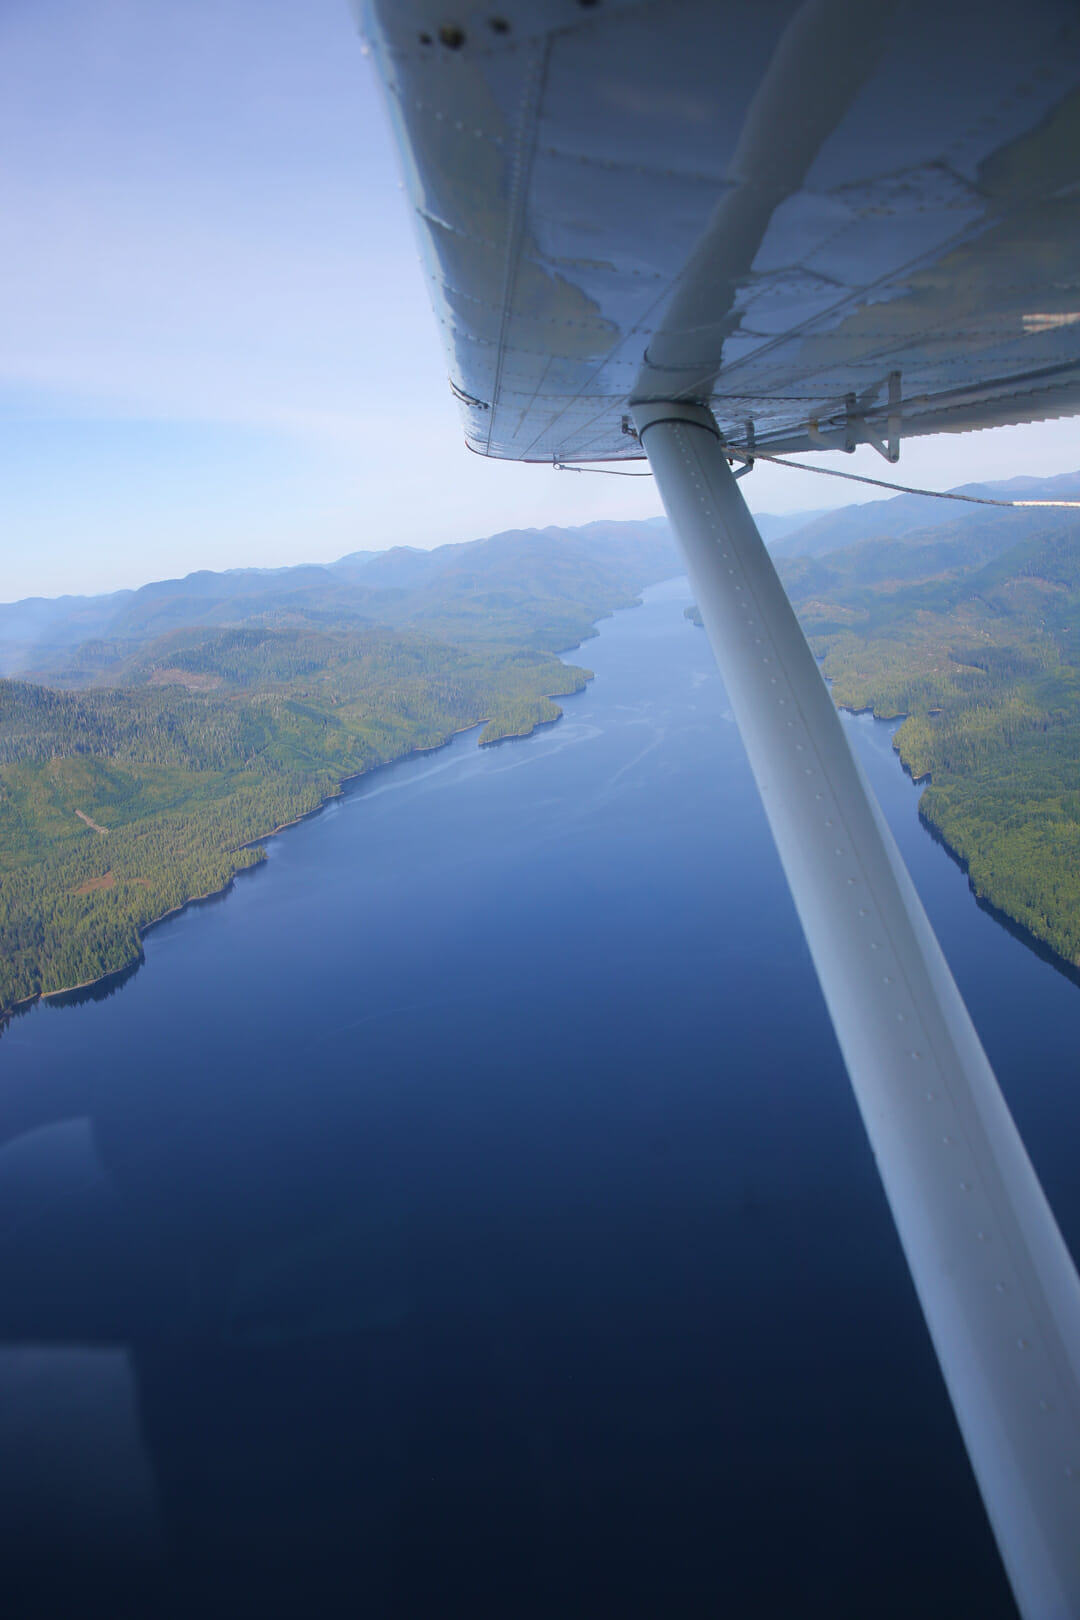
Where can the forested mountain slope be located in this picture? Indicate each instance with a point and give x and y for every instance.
(972, 631)
(204, 713)
(544, 587)
(118, 805)
(901, 515)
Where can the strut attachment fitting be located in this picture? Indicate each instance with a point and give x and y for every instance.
(860, 432)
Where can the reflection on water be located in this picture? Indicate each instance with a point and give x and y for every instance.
(1018, 932)
(77, 1496)
(471, 1215)
(100, 990)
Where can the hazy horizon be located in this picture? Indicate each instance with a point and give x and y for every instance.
(790, 519)
(217, 349)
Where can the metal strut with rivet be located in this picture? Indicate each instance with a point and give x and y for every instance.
(998, 1289)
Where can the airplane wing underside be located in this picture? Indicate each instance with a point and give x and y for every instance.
(831, 222)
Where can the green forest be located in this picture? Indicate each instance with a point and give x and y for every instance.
(117, 805)
(140, 765)
(970, 631)
(140, 768)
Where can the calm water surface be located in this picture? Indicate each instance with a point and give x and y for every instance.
(469, 1213)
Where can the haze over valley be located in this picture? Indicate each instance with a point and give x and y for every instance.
(150, 738)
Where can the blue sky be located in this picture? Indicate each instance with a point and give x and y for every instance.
(215, 344)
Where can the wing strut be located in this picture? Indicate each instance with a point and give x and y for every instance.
(998, 1289)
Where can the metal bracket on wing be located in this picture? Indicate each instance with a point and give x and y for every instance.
(857, 430)
(751, 445)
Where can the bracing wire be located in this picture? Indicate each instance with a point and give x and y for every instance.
(833, 472)
(605, 472)
(901, 489)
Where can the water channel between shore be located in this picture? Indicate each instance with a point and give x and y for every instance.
(471, 1214)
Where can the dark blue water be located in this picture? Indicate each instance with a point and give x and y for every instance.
(469, 1214)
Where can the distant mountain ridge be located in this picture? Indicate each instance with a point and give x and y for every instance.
(776, 526)
(902, 515)
(475, 587)
(37, 625)
(552, 582)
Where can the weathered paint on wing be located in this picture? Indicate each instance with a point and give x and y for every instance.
(822, 195)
